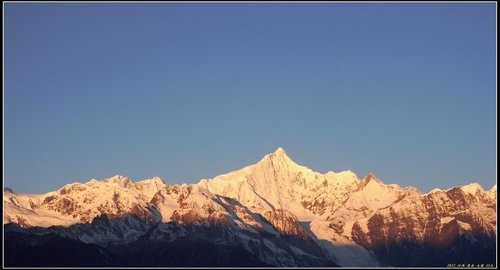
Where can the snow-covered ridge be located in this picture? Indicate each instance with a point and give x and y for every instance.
(275, 195)
(274, 182)
(77, 202)
(472, 188)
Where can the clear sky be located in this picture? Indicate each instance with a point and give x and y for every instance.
(189, 91)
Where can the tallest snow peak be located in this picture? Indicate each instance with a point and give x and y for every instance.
(280, 151)
(279, 154)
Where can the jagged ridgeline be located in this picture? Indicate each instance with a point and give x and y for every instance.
(272, 213)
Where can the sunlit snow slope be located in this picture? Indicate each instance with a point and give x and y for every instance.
(347, 219)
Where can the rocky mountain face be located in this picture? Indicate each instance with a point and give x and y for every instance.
(272, 213)
(439, 227)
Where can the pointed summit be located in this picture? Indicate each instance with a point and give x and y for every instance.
(280, 151)
(371, 181)
(279, 155)
(371, 176)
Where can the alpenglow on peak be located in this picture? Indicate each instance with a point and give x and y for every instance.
(278, 156)
(322, 217)
(280, 151)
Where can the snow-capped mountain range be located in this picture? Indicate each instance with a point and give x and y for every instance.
(274, 212)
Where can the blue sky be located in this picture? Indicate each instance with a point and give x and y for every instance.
(190, 91)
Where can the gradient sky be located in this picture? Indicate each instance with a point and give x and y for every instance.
(189, 91)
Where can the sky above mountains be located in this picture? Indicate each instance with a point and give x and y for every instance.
(191, 91)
